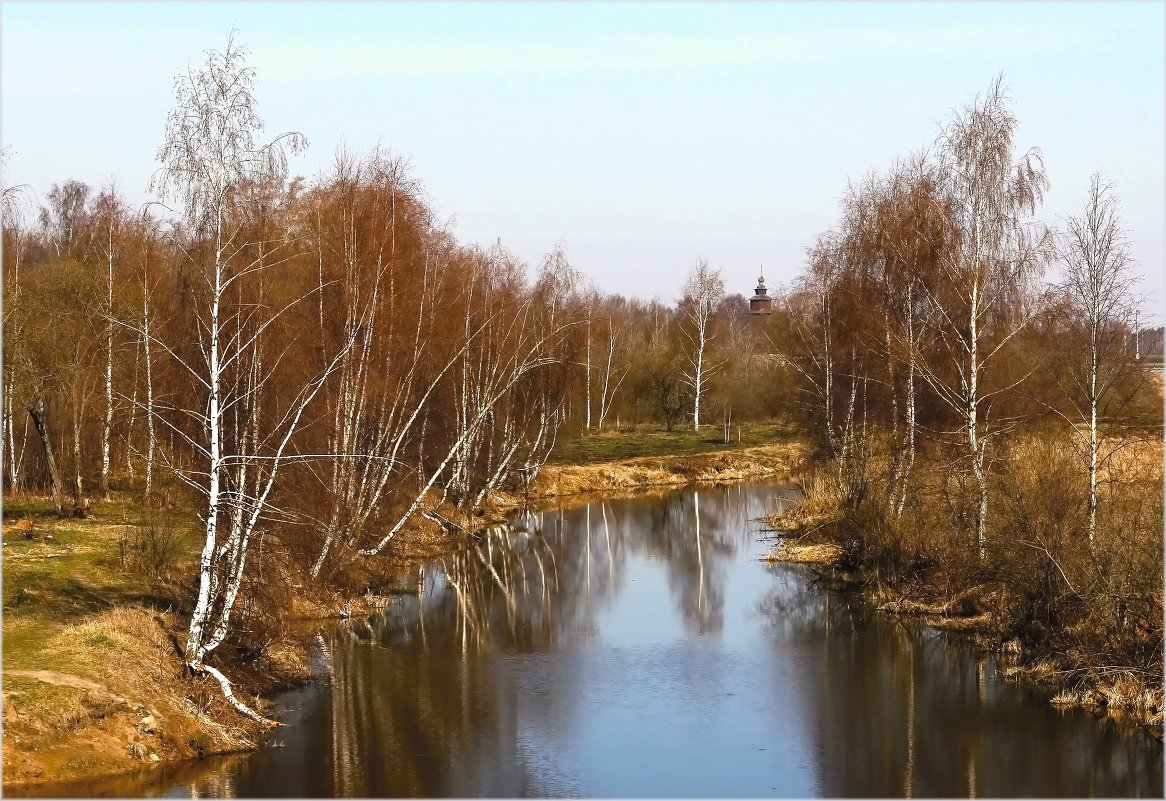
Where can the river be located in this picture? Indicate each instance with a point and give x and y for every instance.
(639, 647)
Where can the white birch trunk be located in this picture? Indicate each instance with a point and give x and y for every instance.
(107, 424)
(911, 427)
(195, 649)
(151, 437)
(1093, 444)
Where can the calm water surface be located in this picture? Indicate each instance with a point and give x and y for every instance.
(638, 647)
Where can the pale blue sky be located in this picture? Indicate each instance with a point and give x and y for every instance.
(641, 135)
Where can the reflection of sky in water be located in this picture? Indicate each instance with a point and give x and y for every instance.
(662, 663)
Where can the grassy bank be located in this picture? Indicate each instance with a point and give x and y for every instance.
(617, 462)
(655, 440)
(93, 679)
(94, 610)
(1084, 617)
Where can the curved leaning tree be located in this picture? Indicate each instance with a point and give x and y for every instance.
(215, 167)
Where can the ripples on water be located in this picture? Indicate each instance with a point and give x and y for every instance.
(638, 647)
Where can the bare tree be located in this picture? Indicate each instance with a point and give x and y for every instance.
(65, 219)
(983, 301)
(613, 374)
(1099, 282)
(213, 164)
(811, 315)
(13, 201)
(51, 337)
(110, 214)
(703, 292)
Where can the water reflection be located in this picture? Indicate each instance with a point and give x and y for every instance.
(639, 648)
(896, 709)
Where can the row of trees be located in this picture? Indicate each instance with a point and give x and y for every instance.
(931, 284)
(322, 362)
(922, 325)
(316, 360)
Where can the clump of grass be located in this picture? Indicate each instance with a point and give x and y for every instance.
(1123, 694)
(798, 554)
(819, 504)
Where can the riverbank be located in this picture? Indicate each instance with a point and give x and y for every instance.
(1037, 589)
(94, 683)
(762, 461)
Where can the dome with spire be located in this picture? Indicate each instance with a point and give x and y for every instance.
(761, 302)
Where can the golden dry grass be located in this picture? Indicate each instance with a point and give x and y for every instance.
(86, 658)
(781, 459)
(813, 554)
(82, 713)
(1123, 697)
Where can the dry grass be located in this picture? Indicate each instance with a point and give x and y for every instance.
(81, 713)
(794, 553)
(780, 459)
(820, 504)
(653, 440)
(1122, 695)
(88, 654)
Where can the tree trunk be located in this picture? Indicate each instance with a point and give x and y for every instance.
(9, 442)
(972, 411)
(78, 482)
(587, 378)
(195, 650)
(910, 462)
(151, 437)
(1093, 444)
(37, 413)
(107, 425)
(699, 388)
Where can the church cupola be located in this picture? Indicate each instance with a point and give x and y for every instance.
(761, 303)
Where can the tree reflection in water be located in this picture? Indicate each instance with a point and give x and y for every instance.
(897, 709)
(637, 647)
(442, 698)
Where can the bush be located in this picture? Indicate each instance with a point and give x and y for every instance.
(154, 544)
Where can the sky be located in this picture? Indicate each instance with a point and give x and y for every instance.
(640, 136)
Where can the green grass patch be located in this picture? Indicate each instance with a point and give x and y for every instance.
(59, 571)
(655, 441)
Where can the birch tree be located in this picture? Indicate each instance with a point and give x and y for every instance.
(989, 195)
(703, 292)
(811, 314)
(57, 319)
(1099, 281)
(13, 202)
(389, 292)
(149, 258)
(505, 411)
(214, 165)
(614, 372)
(110, 214)
(903, 234)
